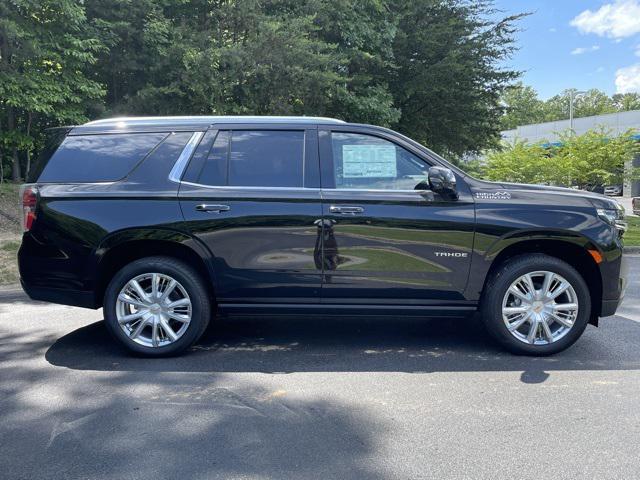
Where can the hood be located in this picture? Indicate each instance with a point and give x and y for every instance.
(596, 199)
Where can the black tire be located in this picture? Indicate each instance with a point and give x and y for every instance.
(500, 281)
(190, 280)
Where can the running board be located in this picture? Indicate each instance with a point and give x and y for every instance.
(338, 309)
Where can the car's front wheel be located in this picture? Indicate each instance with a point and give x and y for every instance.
(157, 306)
(536, 305)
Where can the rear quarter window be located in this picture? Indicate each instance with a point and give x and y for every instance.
(53, 138)
(98, 158)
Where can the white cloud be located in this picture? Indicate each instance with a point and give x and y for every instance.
(614, 20)
(628, 79)
(581, 50)
(553, 30)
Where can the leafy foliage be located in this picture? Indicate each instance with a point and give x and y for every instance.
(430, 68)
(519, 162)
(43, 52)
(595, 158)
(524, 107)
(447, 83)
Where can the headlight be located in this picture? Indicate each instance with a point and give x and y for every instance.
(609, 216)
(613, 216)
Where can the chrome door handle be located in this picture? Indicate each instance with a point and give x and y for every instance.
(204, 207)
(346, 210)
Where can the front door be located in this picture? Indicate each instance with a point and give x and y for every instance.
(387, 238)
(250, 194)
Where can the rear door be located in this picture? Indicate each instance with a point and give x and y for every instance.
(388, 239)
(251, 195)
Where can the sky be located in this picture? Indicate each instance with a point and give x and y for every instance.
(579, 44)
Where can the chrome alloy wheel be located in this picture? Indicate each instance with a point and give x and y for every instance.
(540, 308)
(153, 309)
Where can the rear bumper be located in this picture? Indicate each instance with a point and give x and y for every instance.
(49, 274)
(74, 298)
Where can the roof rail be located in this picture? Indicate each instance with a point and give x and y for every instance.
(200, 119)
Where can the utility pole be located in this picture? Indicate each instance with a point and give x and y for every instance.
(573, 96)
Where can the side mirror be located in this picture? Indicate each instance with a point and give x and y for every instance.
(443, 182)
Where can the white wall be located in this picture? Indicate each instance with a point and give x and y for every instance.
(617, 123)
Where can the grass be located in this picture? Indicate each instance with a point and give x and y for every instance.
(632, 235)
(9, 188)
(9, 261)
(10, 232)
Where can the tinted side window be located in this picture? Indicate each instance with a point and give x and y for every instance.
(157, 165)
(98, 158)
(372, 163)
(214, 170)
(266, 158)
(199, 157)
(54, 137)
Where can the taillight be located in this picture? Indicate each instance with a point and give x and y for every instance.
(29, 194)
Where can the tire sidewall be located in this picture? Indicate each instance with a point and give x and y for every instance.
(492, 308)
(186, 276)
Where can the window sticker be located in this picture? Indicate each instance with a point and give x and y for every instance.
(369, 161)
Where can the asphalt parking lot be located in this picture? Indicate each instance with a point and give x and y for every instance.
(313, 397)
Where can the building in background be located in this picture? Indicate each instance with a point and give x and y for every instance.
(616, 123)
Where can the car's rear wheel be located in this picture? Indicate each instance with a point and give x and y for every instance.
(157, 306)
(536, 305)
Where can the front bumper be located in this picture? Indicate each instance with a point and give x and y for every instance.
(617, 285)
(609, 307)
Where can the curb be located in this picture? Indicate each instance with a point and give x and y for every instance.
(631, 250)
(13, 292)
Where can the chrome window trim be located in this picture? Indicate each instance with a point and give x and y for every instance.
(374, 190)
(308, 189)
(181, 164)
(234, 187)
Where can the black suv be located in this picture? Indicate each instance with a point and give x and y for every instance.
(162, 221)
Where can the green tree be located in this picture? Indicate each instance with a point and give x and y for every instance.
(522, 163)
(133, 31)
(447, 79)
(387, 62)
(522, 107)
(43, 54)
(218, 57)
(430, 68)
(363, 33)
(626, 101)
(593, 102)
(595, 158)
(557, 107)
